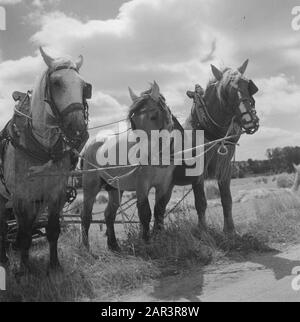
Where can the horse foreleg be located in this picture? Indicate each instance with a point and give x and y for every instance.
(3, 231)
(226, 199)
(25, 218)
(110, 216)
(53, 232)
(91, 187)
(162, 198)
(144, 212)
(200, 203)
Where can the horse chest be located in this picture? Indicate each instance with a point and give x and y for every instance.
(42, 186)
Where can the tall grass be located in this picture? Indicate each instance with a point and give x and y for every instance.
(278, 219)
(84, 276)
(181, 245)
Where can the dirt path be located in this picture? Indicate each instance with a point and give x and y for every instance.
(265, 277)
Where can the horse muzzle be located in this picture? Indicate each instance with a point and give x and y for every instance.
(247, 114)
(74, 122)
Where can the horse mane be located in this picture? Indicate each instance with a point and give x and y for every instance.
(222, 167)
(228, 75)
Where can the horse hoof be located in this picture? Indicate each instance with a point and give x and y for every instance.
(115, 248)
(204, 235)
(231, 234)
(202, 227)
(157, 230)
(23, 271)
(86, 243)
(86, 246)
(4, 261)
(15, 246)
(54, 268)
(94, 256)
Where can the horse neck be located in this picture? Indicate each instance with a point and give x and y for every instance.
(43, 133)
(217, 109)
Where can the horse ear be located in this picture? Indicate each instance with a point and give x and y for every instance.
(47, 59)
(133, 96)
(243, 68)
(155, 92)
(216, 72)
(79, 62)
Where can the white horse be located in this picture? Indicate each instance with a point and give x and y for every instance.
(45, 140)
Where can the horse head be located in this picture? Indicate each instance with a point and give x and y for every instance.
(66, 93)
(236, 93)
(149, 111)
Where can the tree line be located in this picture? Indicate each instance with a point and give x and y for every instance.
(278, 160)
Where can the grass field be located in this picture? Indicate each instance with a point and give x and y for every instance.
(263, 222)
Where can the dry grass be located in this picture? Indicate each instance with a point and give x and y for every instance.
(278, 219)
(85, 276)
(181, 245)
(285, 180)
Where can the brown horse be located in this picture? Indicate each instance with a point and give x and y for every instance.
(227, 107)
(43, 140)
(148, 112)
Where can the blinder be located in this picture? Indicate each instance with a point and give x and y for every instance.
(87, 91)
(252, 88)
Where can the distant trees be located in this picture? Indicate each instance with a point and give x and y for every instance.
(282, 159)
(279, 160)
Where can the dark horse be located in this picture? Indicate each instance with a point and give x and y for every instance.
(227, 107)
(39, 139)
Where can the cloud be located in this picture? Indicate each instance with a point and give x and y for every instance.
(144, 42)
(19, 74)
(255, 147)
(105, 109)
(279, 94)
(173, 42)
(9, 2)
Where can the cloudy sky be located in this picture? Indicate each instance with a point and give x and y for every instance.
(171, 41)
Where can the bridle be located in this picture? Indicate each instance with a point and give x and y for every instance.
(244, 113)
(59, 116)
(248, 116)
(161, 104)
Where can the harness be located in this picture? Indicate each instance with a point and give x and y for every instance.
(201, 119)
(30, 146)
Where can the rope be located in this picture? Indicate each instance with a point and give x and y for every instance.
(22, 114)
(178, 203)
(105, 125)
(104, 169)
